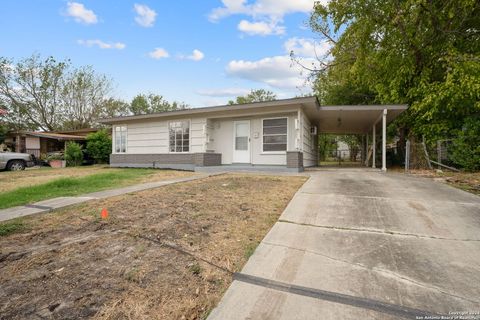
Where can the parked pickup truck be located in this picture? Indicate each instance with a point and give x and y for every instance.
(14, 161)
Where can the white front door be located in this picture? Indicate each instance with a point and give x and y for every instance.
(241, 141)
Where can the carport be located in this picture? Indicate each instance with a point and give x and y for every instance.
(365, 120)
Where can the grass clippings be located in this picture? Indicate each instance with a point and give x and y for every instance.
(71, 264)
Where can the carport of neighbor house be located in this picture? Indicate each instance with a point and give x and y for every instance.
(358, 119)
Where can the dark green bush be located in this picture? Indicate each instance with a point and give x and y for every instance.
(99, 146)
(466, 147)
(73, 154)
(3, 133)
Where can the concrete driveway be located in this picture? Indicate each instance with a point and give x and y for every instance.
(360, 244)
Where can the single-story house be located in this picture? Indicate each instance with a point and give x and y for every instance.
(280, 133)
(42, 142)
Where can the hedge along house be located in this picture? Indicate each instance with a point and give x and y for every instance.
(281, 133)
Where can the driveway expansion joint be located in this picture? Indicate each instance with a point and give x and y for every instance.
(387, 198)
(377, 231)
(384, 272)
(359, 302)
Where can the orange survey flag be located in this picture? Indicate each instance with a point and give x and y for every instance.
(104, 213)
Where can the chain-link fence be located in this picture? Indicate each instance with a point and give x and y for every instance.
(337, 150)
(445, 154)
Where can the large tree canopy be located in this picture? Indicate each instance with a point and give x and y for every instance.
(84, 94)
(259, 95)
(31, 90)
(420, 52)
(153, 103)
(48, 94)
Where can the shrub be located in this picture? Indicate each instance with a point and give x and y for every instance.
(466, 147)
(54, 156)
(3, 133)
(99, 146)
(73, 154)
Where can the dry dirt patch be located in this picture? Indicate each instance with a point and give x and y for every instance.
(71, 264)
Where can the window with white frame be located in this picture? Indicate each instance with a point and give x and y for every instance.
(120, 139)
(179, 136)
(275, 134)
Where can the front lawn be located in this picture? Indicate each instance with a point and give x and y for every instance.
(33, 176)
(77, 185)
(162, 253)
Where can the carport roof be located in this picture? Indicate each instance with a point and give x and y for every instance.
(53, 135)
(351, 119)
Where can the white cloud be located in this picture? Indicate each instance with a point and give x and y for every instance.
(271, 8)
(230, 7)
(101, 44)
(278, 72)
(224, 92)
(307, 47)
(213, 102)
(145, 16)
(80, 13)
(159, 53)
(267, 14)
(260, 28)
(196, 55)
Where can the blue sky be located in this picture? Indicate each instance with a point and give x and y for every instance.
(199, 52)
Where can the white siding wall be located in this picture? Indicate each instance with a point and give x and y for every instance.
(198, 133)
(147, 137)
(151, 137)
(308, 142)
(209, 140)
(222, 139)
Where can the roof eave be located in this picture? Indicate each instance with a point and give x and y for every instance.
(213, 109)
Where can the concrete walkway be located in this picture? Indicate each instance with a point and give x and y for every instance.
(357, 244)
(61, 202)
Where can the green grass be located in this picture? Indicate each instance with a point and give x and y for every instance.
(250, 249)
(71, 186)
(195, 269)
(11, 227)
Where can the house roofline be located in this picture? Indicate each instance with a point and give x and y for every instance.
(254, 105)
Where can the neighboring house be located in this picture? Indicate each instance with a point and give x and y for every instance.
(37, 143)
(343, 151)
(275, 133)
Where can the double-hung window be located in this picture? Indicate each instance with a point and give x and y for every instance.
(275, 135)
(179, 136)
(120, 139)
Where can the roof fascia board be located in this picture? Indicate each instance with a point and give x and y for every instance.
(365, 107)
(285, 102)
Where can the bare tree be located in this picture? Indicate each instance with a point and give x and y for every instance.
(50, 95)
(31, 90)
(84, 96)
